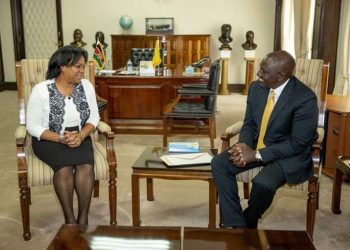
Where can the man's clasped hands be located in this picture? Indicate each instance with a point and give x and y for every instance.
(241, 154)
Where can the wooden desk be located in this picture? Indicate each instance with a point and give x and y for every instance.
(230, 239)
(135, 103)
(150, 166)
(116, 237)
(338, 131)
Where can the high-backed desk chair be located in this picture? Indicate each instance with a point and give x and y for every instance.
(314, 74)
(33, 172)
(195, 103)
(144, 54)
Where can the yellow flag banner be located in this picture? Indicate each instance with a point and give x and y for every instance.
(156, 61)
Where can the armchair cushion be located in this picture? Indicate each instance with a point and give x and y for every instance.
(40, 174)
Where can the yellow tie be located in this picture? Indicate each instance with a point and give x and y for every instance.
(265, 119)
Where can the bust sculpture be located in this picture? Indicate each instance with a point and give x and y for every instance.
(100, 37)
(225, 37)
(249, 43)
(78, 38)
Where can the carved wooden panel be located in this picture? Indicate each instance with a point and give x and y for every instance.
(181, 50)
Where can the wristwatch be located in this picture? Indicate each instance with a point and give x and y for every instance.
(258, 156)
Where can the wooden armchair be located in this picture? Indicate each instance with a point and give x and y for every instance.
(314, 74)
(33, 172)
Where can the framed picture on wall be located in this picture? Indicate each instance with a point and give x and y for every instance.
(159, 25)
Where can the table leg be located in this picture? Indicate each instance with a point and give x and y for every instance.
(212, 204)
(337, 182)
(135, 198)
(150, 196)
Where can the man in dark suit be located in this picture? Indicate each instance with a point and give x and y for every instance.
(281, 144)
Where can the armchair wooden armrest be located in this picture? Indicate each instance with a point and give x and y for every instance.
(169, 107)
(21, 135)
(103, 127)
(230, 132)
(322, 112)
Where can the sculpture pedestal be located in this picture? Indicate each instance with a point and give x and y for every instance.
(249, 74)
(225, 55)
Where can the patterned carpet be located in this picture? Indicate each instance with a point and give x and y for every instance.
(183, 203)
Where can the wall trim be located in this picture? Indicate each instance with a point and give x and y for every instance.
(8, 86)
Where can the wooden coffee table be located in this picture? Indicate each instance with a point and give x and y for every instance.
(125, 237)
(116, 237)
(149, 166)
(230, 239)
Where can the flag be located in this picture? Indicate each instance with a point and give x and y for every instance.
(156, 61)
(99, 56)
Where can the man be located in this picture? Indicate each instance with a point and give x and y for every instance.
(283, 148)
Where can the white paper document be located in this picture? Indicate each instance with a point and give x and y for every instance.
(187, 159)
(107, 71)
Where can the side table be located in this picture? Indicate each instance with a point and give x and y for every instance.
(338, 131)
(342, 167)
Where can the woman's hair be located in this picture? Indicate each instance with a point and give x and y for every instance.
(65, 56)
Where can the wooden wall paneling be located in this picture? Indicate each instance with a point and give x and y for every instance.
(182, 50)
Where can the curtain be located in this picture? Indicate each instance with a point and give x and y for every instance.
(297, 27)
(342, 81)
(304, 15)
(287, 27)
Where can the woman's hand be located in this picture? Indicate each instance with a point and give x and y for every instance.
(72, 138)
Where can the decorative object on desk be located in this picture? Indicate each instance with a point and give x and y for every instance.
(99, 56)
(129, 66)
(127, 73)
(100, 37)
(202, 65)
(189, 71)
(186, 159)
(78, 39)
(125, 22)
(146, 68)
(183, 147)
(225, 37)
(203, 62)
(160, 25)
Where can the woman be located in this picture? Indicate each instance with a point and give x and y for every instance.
(61, 114)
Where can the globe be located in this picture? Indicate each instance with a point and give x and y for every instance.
(125, 22)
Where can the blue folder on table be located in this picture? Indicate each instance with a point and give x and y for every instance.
(183, 147)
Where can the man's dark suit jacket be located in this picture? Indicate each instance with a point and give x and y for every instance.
(291, 130)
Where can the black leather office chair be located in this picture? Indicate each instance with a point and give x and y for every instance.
(193, 109)
(143, 54)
